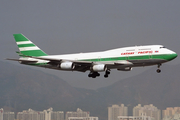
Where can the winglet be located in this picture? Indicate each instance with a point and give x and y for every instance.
(26, 47)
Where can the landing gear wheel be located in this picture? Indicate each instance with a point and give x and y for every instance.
(97, 74)
(90, 75)
(93, 74)
(107, 73)
(158, 70)
(106, 76)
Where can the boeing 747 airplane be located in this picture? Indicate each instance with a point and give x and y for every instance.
(122, 59)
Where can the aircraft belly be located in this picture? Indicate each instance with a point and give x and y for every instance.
(109, 64)
(138, 63)
(147, 62)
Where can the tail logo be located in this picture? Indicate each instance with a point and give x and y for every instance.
(26, 47)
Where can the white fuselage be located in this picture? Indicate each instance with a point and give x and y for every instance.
(119, 52)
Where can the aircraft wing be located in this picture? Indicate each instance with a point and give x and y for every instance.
(56, 60)
(22, 60)
(81, 66)
(88, 63)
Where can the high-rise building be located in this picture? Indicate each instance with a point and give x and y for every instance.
(135, 118)
(148, 110)
(27, 115)
(8, 116)
(116, 110)
(47, 113)
(78, 113)
(83, 118)
(1, 113)
(34, 115)
(58, 115)
(41, 115)
(170, 112)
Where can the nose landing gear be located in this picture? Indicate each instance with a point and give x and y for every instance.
(158, 70)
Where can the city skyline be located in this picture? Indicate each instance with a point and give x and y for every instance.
(115, 112)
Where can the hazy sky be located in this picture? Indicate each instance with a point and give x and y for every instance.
(73, 26)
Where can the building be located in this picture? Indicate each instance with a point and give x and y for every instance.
(135, 118)
(78, 113)
(28, 115)
(176, 116)
(171, 113)
(116, 110)
(34, 115)
(47, 114)
(41, 115)
(58, 115)
(8, 116)
(148, 110)
(1, 113)
(83, 118)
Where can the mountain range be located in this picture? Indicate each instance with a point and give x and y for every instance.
(22, 88)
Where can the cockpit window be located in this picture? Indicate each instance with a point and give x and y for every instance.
(163, 47)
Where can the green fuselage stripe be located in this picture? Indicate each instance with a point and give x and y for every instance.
(167, 57)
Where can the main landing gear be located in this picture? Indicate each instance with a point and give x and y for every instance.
(96, 74)
(107, 73)
(93, 74)
(158, 70)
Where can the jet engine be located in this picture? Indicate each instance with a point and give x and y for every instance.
(67, 66)
(99, 68)
(125, 69)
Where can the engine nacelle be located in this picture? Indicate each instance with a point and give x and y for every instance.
(67, 66)
(125, 69)
(99, 68)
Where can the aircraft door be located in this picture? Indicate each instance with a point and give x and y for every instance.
(127, 57)
(99, 58)
(150, 54)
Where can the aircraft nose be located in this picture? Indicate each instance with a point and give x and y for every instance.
(173, 56)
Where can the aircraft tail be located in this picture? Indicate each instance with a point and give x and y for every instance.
(26, 47)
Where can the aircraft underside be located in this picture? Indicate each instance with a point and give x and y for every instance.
(94, 74)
